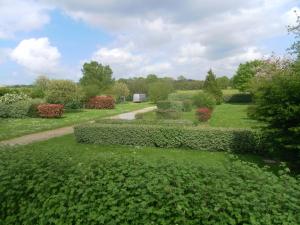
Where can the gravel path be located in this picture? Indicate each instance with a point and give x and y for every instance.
(45, 135)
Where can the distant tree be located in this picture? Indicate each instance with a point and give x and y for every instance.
(181, 78)
(245, 73)
(137, 85)
(223, 82)
(160, 90)
(64, 92)
(97, 76)
(151, 78)
(120, 91)
(211, 86)
(42, 82)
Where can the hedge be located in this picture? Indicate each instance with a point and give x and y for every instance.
(50, 110)
(173, 105)
(101, 102)
(210, 139)
(238, 98)
(147, 122)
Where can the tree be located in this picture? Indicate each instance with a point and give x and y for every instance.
(295, 48)
(160, 90)
(245, 73)
(223, 82)
(211, 87)
(120, 91)
(97, 76)
(64, 92)
(42, 82)
(278, 106)
(181, 78)
(151, 78)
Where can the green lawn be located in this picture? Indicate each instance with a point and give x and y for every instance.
(10, 128)
(225, 115)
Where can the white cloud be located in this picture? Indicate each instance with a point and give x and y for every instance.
(19, 15)
(37, 55)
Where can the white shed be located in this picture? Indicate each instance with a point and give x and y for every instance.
(139, 97)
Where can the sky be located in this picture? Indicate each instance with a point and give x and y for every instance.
(139, 37)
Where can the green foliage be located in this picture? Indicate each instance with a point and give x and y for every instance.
(278, 105)
(245, 73)
(59, 187)
(120, 91)
(33, 110)
(15, 110)
(184, 84)
(96, 74)
(64, 92)
(211, 87)
(13, 98)
(42, 83)
(181, 96)
(168, 114)
(295, 30)
(147, 122)
(223, 82)
(237, 98)
(160, 90)
(174, 105)
(4, 90)
(187, 105)
(210, 139)
(204, 100)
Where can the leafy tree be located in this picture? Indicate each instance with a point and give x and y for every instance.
(223, 82)
(245, 73)
(96, 75)
(64, 92)
(160, 90)
(278, 105)
(120, 91)
(181, 78)
(42, 82)
(295, 48)
(211, 87)
(151, 78)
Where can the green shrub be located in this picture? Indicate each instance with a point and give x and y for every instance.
(187, 105)
(15, 110)
(238, 98)
(166, 104)
(160, 90)
(211, 139)
(58, 187)
(33, 109)
(204, 100)
(167, 114)
(13, 98)
(181, 96)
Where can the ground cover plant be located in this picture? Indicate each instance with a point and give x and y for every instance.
(10, 128)
(61, 182)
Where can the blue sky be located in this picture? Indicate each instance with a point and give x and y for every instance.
(168, 38)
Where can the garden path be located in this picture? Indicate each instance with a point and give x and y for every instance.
(45, 135)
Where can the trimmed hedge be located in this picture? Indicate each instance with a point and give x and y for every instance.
(101, 102)
(210, 139)
(148, 122)
(50, 110)
(173, 105)
(238, 98)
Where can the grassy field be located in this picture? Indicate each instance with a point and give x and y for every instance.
(10, 128)
(225, 115)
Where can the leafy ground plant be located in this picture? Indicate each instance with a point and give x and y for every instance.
(52, 183)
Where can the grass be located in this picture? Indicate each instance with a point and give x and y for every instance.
(10, 128)
(224, 115)
(86, 152)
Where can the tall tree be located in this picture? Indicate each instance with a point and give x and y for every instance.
(244, 74)
(295, 30)
(97, 76)
(211, 86)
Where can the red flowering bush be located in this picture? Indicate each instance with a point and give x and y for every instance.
(50, 110)
(101, 102)
(203, 114)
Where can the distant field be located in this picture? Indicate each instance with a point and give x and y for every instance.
(10, 128)
(225, 115)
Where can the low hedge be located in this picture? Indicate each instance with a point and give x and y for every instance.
(101, 102)
(173, 105)
(50, 110)
(210, 139)
(148, 122)
(238, 98)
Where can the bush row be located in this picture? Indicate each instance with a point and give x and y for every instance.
(56, 186)
(147, 122)
(101, 102)
(210, 139)
(237, 98)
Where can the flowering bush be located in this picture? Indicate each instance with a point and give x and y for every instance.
(13, 98)
(50, 110)
(203, 114)
(101, 102)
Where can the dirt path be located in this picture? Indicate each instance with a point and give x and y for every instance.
(45, 135)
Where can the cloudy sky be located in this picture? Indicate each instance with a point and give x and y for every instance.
(138, 37)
